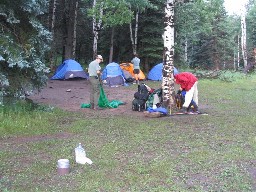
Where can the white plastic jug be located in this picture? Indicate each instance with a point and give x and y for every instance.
(80, 153)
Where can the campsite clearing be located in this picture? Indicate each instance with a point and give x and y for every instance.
(70, 94)
(131, 152)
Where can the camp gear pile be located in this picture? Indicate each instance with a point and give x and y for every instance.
(140, 98)
(147, 99)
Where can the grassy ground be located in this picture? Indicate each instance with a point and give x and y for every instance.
(181, 153)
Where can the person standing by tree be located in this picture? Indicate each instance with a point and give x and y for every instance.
(188, 82)
(136, 67)
(94, 79)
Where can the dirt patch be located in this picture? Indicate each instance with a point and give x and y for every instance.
(70, 94)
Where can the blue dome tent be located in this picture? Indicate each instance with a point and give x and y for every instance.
(69, 69)
(155, 73)
(113, 75)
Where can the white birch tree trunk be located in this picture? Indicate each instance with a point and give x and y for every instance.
(136, 32)
(131, 37)
(134, 39)
(243, 39)
(168, 37)
(95, 28)
(254, 52)
(234, 61)
(238, 51)
(186, 51)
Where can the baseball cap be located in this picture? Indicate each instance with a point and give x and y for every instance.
(99, 57)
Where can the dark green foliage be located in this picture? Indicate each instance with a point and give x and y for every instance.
(14, 105)
(150, 35)
(206, 30)
(251, 28)
(23, 43)
(231, 76)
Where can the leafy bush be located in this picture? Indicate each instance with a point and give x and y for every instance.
(230, 76)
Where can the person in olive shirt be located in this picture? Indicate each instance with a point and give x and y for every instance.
(94, 79)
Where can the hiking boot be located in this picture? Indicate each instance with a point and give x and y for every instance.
(195, 109)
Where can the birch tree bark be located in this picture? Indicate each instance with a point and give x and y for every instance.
(238, 51)
(138, 6)
(134, 39)
(186, 51)
(95, 29)
(243, 39)
(168, 66)
(234, 61)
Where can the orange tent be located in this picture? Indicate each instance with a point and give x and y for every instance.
(129, 67)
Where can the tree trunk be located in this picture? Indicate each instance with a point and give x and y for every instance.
(95, 29)
(168, 66)
(74, 31)
(134, 39)
(146, 65)
(243, 39)
(136, 32)
(238, 51)
(254, 53)
(111, 45)
(131, 36)
(234, 61)
(64, 29)
(52, 16)
(69, 37)
(186, 51)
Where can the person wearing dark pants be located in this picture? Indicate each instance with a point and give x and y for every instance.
(136, 67)
(94, 79)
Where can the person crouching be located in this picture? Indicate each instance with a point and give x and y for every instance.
(188, 82)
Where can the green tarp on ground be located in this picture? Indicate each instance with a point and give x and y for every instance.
(103, 101)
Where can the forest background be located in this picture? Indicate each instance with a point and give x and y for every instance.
(36, 36)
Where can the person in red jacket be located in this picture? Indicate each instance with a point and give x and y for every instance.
(188, 82)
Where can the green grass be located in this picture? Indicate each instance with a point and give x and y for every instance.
(181, 153)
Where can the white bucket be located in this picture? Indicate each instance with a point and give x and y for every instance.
(63, 166)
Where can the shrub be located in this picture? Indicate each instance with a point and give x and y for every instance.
(230, 76)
